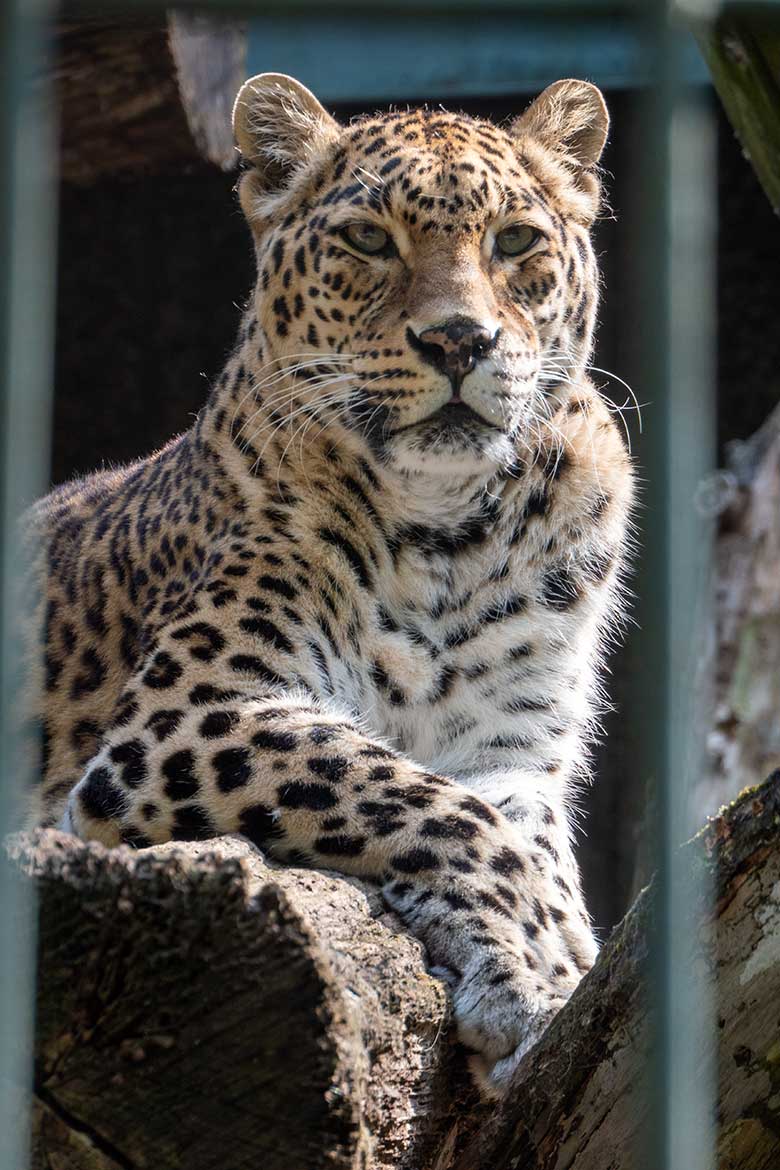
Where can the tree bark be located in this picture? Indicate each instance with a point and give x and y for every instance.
(744, 656)
(199, 1007)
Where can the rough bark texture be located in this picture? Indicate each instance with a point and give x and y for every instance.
(745, 653)
(198, 1007)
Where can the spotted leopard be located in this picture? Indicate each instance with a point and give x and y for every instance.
(357, 611)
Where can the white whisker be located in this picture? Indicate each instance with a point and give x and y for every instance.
(625, 385)
(274, 401)
(313, 360)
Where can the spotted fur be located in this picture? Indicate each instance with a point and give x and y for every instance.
(356, 611)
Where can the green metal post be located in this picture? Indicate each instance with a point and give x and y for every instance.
(27, 274)
(677, 310)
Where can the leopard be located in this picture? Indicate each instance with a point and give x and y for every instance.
(359, 611)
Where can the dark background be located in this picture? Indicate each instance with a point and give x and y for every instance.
(153, 272)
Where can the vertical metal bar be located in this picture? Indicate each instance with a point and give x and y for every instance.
(690, 1011)
(678, 285)
(27, 260)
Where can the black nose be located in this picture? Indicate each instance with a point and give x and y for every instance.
(453, 347)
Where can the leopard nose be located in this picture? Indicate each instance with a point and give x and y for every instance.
(454, 347)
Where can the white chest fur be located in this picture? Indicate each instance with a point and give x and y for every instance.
(466, 670)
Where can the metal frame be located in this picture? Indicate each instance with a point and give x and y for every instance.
(675, 286)
(366, 57)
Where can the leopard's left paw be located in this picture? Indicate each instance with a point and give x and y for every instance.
(493, 1078)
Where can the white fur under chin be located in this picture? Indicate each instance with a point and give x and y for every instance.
(494, 452)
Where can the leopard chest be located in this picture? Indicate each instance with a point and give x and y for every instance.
(455, 662)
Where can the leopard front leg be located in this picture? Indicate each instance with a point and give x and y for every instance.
(309, 787)
(538, 810)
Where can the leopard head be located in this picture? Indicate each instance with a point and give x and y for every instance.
(426, 280)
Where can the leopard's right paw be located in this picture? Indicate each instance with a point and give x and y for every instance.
(500, 1013)
(494, 1078)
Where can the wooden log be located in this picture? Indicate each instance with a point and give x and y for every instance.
(199, 1007)
(146, 96)
(744, 654)
(743, 54)
(120, 111)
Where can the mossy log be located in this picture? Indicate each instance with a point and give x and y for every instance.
(199, 1007)
(743, 55)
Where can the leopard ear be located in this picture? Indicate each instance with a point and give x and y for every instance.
(569, 117)
(279, 126)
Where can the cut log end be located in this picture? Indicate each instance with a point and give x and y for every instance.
(230, 1005)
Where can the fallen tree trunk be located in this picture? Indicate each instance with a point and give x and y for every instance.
(198, 1007)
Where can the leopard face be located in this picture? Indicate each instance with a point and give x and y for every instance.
(426, 280)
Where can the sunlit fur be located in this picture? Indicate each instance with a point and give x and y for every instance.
(353, 617)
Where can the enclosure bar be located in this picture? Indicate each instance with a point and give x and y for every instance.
(27, 281)
(573, 8)
(470, 54)
(677, 296)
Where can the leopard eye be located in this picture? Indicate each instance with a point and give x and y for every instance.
(366, 237)
(516, 239)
